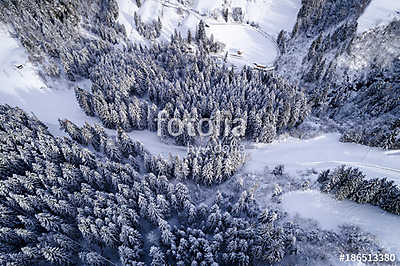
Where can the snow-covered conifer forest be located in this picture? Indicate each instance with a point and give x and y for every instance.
(199, 132)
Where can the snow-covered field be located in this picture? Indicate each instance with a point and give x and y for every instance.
(256, 47)
(127, 9)
(324, 152)
(331, 213)
(16, 82)
(152, 143)
(271, 15)
(379, 12)
(25, 89)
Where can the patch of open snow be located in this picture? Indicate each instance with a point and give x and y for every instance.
(323, 153)
(206, 6)
(172, 19)
(379, 12)
(25, 89)
(12, 78)
(189, 23)
(127, 9)
(254, 45)
(272, 15)
(153, 144)
(331, 213)
(150, 10)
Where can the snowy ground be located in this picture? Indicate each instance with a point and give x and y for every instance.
(15, 81)
(379, 12)
(331, 213)
(152, 143)
(127, 9)
(298, 156)
(324, 152)
(25, 89)
(256, 47)
(271, 15)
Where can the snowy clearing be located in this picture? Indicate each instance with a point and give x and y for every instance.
(379, 12)
(17, 74)
(331, 213)
(25, 89)
(272, 15)
(153, 144)
(206, 6)
(127, 9)
(298, 156)
(323, 153)
(255, 46)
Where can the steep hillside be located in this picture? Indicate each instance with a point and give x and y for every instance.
(351, 74)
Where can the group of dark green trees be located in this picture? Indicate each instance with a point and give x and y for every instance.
(351, 183)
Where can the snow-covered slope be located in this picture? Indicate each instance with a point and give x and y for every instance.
(153, 144)
(255, 46)
(320, 153)
(379, 12)
(127, 8)
(24, 88)
(17, 75)
(272, 15)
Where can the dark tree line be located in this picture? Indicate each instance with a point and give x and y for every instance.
(351, 183)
